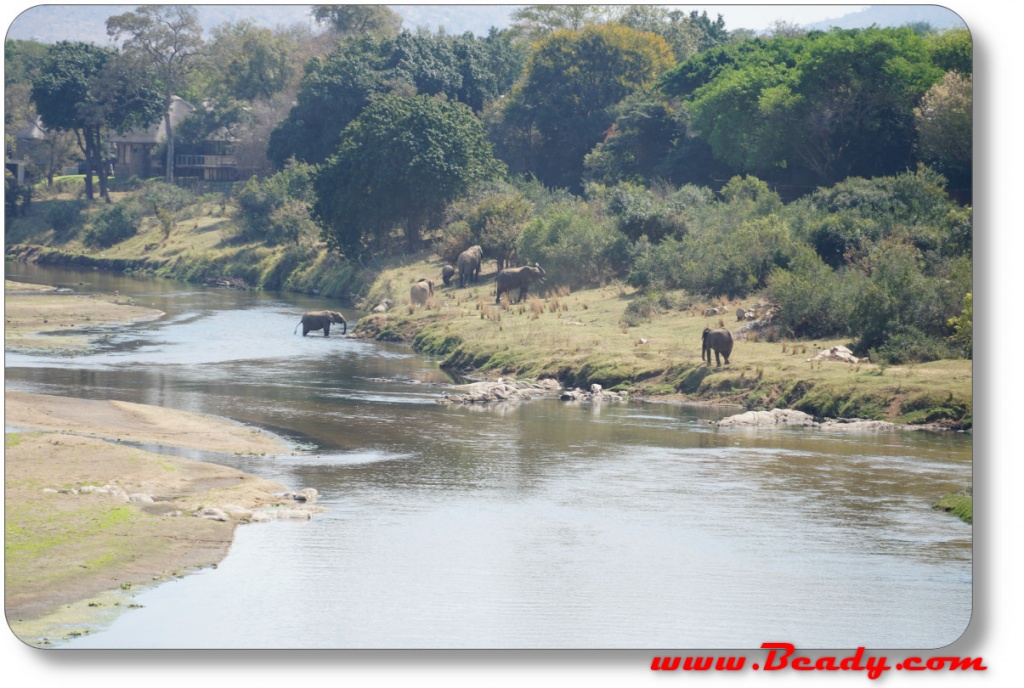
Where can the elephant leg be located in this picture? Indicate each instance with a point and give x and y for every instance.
(327, 329)
(305, 329)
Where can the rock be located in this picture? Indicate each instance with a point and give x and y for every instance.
(138, 497)
(836, 353)
(212, 513)
(596, 393)
(238, 512)
(498, 390)
(293, 514)
(260, 517)
(308, 495)
(773, 418)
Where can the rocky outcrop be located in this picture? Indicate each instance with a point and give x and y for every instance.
(836, 353)
(768, 419)
(596, 393)
(790, 418)
(498, 390)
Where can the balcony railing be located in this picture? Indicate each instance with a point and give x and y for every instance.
(212, 161)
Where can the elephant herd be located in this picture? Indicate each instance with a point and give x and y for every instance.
(467, 267)
(718, 340)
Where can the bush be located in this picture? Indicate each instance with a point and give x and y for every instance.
(574, 245)
(65, 216)
(113, 225)
(261, 200)
(157, 195)
(816, 300)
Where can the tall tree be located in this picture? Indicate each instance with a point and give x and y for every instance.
(399, 163)
(945, 128)
(810, 110)
(336, 87)
(167, 39)
(88, 90)
(537, 21)
(350, 20)
(573, 79)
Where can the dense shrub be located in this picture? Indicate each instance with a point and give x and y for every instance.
(113, 225)
(65, 216)
(275, 209)
(816, 300)
(575, 245)
(161, 195)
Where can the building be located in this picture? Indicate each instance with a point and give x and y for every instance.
(137, 152)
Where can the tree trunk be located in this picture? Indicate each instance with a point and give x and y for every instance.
(169, 171)
(88, 165)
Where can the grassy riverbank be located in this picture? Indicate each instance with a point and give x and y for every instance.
(202, 245)
(612, 335)
(621, 339)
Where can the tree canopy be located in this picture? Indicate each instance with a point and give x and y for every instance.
(398, 164)
(573, 79)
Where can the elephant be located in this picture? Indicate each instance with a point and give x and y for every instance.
(321, 320)
(719, 340)
(421, 291)
(521, 278)
(447, 272)
(469, 265)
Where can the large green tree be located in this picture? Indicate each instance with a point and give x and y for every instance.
(810, 110)
(87, 90)
(336, 88)
(353, 20)
(945, 124)
(563, 106)
(168, 40)
(398, 164)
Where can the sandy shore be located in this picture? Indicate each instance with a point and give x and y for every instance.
(88, 519)
(41, 317)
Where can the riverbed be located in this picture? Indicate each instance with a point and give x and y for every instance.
(542, 524)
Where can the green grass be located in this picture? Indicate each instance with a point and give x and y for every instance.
(959, 504)
(580, 338)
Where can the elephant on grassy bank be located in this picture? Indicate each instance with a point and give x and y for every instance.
(447, 272)
(517, 278)
(718, 340)
(421, 291)
(321, 320)
(469, 265)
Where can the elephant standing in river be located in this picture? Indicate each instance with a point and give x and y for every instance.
(469, 265)
(420, 292)
(719, 340)
(517, 278)
(321, 320)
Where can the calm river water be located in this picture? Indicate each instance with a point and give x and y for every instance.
(540, 525)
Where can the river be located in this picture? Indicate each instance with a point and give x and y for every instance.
(539, 525)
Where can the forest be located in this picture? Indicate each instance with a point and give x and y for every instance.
(829, 171)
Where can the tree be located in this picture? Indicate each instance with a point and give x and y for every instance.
(247, 62)
(348, 20)
(399, 163)
(945, 127)
(87, 90)
(572, 81)
(537, 21)
(952, 51)
(810, 110)
(168, 40)
(336, 88)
